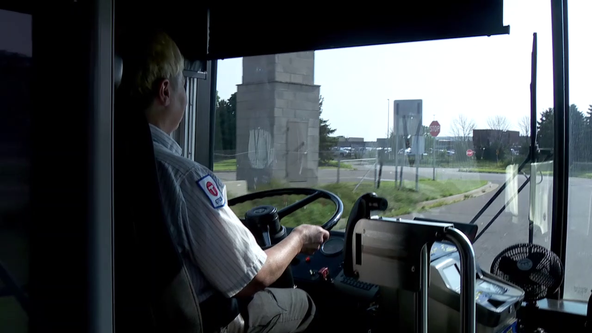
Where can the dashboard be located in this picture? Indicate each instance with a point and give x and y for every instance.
(321, 275)
(328, 260)
(496, 300)
(323, 265)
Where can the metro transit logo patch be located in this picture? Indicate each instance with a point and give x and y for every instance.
(210, 188)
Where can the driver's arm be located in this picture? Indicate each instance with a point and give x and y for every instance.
(278, 259)
(221, 246)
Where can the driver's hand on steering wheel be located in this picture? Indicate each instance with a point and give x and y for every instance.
(312, 237)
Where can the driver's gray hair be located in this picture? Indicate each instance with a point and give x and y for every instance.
(162, 60)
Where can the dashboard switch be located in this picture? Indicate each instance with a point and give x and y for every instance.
(307, 259)
(324, 273)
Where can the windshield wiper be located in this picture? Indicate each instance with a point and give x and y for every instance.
(500, 190)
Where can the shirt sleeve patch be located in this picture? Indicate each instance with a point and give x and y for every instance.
(212, 191)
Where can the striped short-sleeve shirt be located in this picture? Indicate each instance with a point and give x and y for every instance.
(219, 251)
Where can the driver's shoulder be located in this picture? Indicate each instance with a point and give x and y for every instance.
(183, 169)
(197, 172)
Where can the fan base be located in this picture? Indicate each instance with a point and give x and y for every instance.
(529, 312)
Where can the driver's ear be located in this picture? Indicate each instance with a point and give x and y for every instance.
(164, 92)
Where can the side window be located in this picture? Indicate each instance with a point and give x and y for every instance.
(15, 102)
(579, 215)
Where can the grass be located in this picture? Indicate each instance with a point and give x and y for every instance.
(333, 165)
(230, 166)
(225, 165)
(525, 170)
(401, 202)
(490, 167)
(484, 170)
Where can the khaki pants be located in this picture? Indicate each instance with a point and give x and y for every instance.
(276, 311)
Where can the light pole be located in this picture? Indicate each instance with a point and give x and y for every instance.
(434, 156)
(388, 117)
(388, 123)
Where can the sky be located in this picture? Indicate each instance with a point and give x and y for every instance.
(478, 77)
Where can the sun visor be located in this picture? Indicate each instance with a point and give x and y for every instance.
(218, 31)
(246, 29)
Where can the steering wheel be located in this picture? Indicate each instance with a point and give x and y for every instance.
(265, 221)
(312, 196)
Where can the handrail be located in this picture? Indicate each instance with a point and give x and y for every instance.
(468, 318)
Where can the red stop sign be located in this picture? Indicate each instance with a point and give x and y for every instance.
(470, 153)
(434, 128)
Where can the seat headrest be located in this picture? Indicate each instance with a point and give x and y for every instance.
(117, 70)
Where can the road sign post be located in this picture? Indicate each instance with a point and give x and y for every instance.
(434, 132)
(408, 120)
(470, 153)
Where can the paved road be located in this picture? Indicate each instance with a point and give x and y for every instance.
(510, 227)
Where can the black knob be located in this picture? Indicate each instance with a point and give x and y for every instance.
(265, 219)
(262, 216)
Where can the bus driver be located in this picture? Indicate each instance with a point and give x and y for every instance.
(221, 254)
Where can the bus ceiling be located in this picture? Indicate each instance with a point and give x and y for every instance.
(242, 30)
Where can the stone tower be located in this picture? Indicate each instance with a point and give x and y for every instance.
(278, 120)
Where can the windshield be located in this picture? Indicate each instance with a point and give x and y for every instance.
(441, 129)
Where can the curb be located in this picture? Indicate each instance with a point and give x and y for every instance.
(460, 197)
(448, 200)
(487, 172)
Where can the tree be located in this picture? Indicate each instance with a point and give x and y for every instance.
(577, 132)
(462, 128)
(498, 123)
(588, 132)
(546, 129)
(226, 124)
(524, 125)
(589, 116)
(577, 135)
(326, 141)
(498, 142)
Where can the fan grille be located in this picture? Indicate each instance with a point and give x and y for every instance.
(537, 282)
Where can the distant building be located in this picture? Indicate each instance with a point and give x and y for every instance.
(382, 143)
(371, 144)
(489, 137)
(444, 144)
(353, 142)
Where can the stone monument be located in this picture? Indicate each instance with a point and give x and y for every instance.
(278, 120)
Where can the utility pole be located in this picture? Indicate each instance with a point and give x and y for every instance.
(388, 115)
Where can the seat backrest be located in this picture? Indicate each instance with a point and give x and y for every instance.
(153, 291)
(11, 288)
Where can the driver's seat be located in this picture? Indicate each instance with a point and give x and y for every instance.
(153, 292)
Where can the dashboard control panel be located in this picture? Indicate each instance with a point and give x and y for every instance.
(326, 265)
(323, 265)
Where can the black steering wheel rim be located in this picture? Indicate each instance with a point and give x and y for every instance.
(311, 193)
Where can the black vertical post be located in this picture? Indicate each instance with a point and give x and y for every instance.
(561, 137)
(533, 105)
(533, 120)
(379, 173)
(396, 134)
(212, 76)
(71, 260)
(338, 166)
